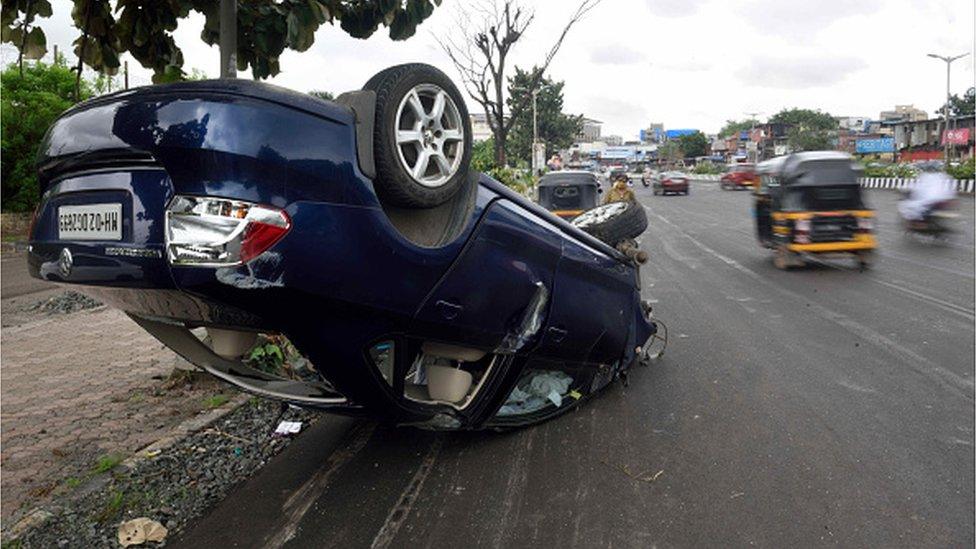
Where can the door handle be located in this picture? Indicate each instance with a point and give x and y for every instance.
(449, 310)
(557, 334)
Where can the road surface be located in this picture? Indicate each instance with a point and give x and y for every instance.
(822, 406)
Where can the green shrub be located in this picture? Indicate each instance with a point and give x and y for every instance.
(521, 181)
(964, 170)
(904, 171)
(29, 103)
(707, 168)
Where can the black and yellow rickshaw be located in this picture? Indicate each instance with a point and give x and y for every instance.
(810, 203)
(568, 193)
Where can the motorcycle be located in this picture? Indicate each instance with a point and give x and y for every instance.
(937, 221)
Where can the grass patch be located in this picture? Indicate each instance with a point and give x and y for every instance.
(72, 482)
(106, 463)
(112, 507)
(215, 401)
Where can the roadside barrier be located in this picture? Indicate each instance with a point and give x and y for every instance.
(893, 183)
(961, 185)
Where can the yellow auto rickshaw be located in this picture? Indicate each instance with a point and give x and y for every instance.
(810, 204)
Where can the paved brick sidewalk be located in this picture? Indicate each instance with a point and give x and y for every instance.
(76, 387)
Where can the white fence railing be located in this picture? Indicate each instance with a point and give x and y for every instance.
(962, 185)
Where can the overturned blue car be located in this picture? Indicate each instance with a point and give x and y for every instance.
(218, 214)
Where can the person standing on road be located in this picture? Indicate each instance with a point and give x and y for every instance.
(620, 192)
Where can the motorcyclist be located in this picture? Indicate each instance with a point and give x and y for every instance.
(931, 188)
(620, 192)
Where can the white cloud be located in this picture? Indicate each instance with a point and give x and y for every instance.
(689, 63)
(801, 20)
(616, 55)
(798, 73)
(674, 8)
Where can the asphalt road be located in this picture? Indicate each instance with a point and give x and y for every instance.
(821, 406)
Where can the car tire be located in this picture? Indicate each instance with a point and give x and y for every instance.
(422, 136)
(614, 222)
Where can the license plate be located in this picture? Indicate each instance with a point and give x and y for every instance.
(830, 227)
(90, 222)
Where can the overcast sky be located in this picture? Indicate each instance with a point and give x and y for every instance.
(686, 63)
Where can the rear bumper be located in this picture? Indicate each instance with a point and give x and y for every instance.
(861, 242)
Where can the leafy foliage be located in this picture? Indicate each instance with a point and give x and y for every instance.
(670, 151)
(483, 156)
(29, 103)
(707, 168)
(733, 127)
(693, 144)
(809, 129)
(556, 129)
(965, 170)
(265, 28)
(961, 106)
(905, 171)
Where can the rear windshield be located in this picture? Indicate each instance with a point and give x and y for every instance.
(567, 179)
(827, 197)
(827, 173)
(743, 168)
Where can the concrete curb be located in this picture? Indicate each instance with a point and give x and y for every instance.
(37, 516)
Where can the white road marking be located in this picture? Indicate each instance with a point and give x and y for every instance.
(944, 377)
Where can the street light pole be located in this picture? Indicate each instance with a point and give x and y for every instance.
(752, 118)
(948, 61)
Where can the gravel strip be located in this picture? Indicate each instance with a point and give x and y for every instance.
(175, 486)
(67, 302)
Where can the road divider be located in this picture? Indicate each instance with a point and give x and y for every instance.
(893, 183)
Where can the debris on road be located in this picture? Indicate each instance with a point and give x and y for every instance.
(141, 530)
(67, 302)
(288, 428)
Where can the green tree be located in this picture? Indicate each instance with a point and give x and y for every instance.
(693, 145)
(556, 129)
(483, 156)
(670, 151)
(809, 130)
(265, 28)
(733, 127)
(29, 103)
(961, 106)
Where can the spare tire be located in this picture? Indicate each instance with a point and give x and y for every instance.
(421, 138)
(614, 222)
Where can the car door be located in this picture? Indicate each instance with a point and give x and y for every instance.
(487, 290)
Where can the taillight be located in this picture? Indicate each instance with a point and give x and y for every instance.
(864, 224)
(801, 231)
(217, 232)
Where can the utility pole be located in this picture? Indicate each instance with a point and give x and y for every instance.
(752, 118)
(125, 74)
(948, 61)
(228, 38)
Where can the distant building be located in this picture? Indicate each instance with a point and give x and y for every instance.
(480, 130)
(590, 131)
(853, 123)
(613, 140)
(907, 113)
(654, 133)
(922, 139)
(674, 134)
